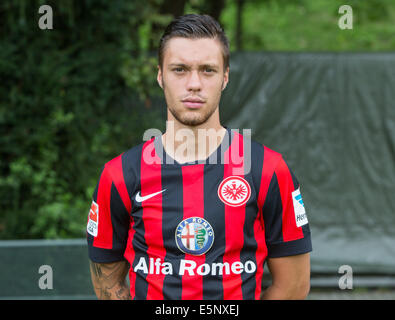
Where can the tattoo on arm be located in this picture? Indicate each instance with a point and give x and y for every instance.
(109, 280)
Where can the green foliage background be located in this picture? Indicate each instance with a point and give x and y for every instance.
(66, 108)
(312, 25)
(76, 96)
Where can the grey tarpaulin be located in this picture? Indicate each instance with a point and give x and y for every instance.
(332, 116)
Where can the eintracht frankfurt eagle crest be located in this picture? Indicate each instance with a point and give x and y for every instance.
(234, 191)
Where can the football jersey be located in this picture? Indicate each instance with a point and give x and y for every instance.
(197, 230)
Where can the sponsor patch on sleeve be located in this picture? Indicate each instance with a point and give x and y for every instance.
(300, 212)
(93, 221)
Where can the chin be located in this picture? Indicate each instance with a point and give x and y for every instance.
(190, 118)
(192, 122)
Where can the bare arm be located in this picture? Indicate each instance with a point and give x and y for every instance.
(291, 278)
(109, 280)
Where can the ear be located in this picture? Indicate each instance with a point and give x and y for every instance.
(226, 79)
(159, 77)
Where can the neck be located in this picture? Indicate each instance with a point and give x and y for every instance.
(192, 143)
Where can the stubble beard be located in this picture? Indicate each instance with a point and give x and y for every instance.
(193, 118)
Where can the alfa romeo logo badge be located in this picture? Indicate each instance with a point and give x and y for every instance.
(234, 191)
(194, 236)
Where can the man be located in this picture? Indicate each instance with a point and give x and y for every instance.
(197, 219)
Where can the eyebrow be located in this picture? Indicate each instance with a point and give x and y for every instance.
(202, 66)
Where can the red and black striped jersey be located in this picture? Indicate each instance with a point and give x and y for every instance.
(200, 230)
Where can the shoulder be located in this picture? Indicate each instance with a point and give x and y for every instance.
(258, 151)
(267, 152)
(130, 157)
(124, 167)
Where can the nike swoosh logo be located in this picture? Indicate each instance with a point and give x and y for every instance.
(141, 199)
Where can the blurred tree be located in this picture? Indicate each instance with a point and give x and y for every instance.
(170, 9)
(239, 24)
(212, 8)
(69, 102)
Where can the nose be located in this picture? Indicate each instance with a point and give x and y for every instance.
(193, 82)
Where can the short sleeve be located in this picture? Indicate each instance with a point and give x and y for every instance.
(287, 229)
(108, 222)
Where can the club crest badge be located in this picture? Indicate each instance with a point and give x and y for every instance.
(234, 191)
(194, 236)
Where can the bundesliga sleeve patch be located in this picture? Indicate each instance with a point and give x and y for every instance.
(300, 212)
(93, 221)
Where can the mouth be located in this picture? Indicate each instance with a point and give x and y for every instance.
(193, 103)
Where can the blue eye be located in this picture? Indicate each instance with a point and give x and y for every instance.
(209, 70)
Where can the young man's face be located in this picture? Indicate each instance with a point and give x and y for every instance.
(192, 78)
